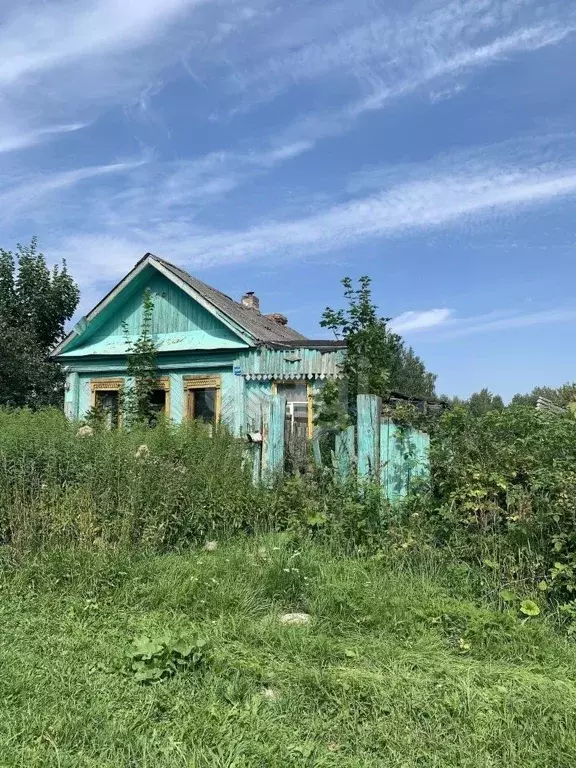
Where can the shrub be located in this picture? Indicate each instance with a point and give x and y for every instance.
(162, 488)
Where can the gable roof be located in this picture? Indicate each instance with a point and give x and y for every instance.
(249, 324)
(259, 326)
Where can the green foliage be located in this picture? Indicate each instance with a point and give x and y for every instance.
(377, 360)
(329, 409)
(35, 304)
(141, 369)
(562, 396)
(57, 488)
(407, 663)
(505, 481)
(483, 401)
(152, 661)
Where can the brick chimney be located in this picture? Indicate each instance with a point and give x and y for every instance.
(251, 301)
(276, 317)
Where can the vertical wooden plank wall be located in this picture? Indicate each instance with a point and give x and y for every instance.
(385, 474)
(239, 387)
(72, 396)
(345, 453)
(369, 410)
(397, 464)
(177, 398)
(274, 440)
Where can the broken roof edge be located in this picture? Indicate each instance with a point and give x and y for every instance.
(319, 344)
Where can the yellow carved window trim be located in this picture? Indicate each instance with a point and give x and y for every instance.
(164, 383)
(310, 393)
(104, 385)
(116, 384)
(203, 382)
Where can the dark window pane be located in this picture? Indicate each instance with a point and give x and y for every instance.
(205, 405)
(157, 405)
(158, 400)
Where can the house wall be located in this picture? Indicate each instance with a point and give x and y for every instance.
(243, 391)
(82, 372)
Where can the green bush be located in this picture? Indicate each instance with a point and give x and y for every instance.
(504, 492)
(162, 488)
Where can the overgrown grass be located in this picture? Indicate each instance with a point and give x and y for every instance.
(57, 488)
(402, 665)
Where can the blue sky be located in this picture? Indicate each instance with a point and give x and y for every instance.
(279, 146)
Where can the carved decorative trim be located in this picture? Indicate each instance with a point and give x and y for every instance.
(192, 383)
(202, 382)
(163, 383)
(106, 384)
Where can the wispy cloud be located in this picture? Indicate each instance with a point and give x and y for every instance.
(420, 320)
(28, 193)
(501, 321)
(386, 54)
(446, 324)
(158, 211)
(52, 35)
(12, 140)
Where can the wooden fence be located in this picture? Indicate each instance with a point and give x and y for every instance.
(376, 449)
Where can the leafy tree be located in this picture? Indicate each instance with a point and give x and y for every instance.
(377, 360)
(142, 369)
(35, 304)
(561, 396)
(484, 401)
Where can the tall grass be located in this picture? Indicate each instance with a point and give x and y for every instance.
(395, 668)
(57, 488)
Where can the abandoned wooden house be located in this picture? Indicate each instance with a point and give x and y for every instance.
(218, 359)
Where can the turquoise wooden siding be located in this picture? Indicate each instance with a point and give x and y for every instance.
(179, 323)
(177, 393)
(257, 393)
(297, 363)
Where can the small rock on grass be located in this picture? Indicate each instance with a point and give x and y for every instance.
(270, 694)
(295, 618)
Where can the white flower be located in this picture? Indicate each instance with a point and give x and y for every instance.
(142, 452)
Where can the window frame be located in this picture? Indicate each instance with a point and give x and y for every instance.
(117, 383)
(310, 396)
(106, 385)
(163, 383)
(192, 383)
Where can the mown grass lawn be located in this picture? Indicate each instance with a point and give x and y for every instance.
(400, 666)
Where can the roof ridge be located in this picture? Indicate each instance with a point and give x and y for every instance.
(193, 277)
(258, 325)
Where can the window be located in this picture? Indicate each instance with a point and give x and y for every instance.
(203, 398)
(298, 401)
(106, 395)
(160, 399)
